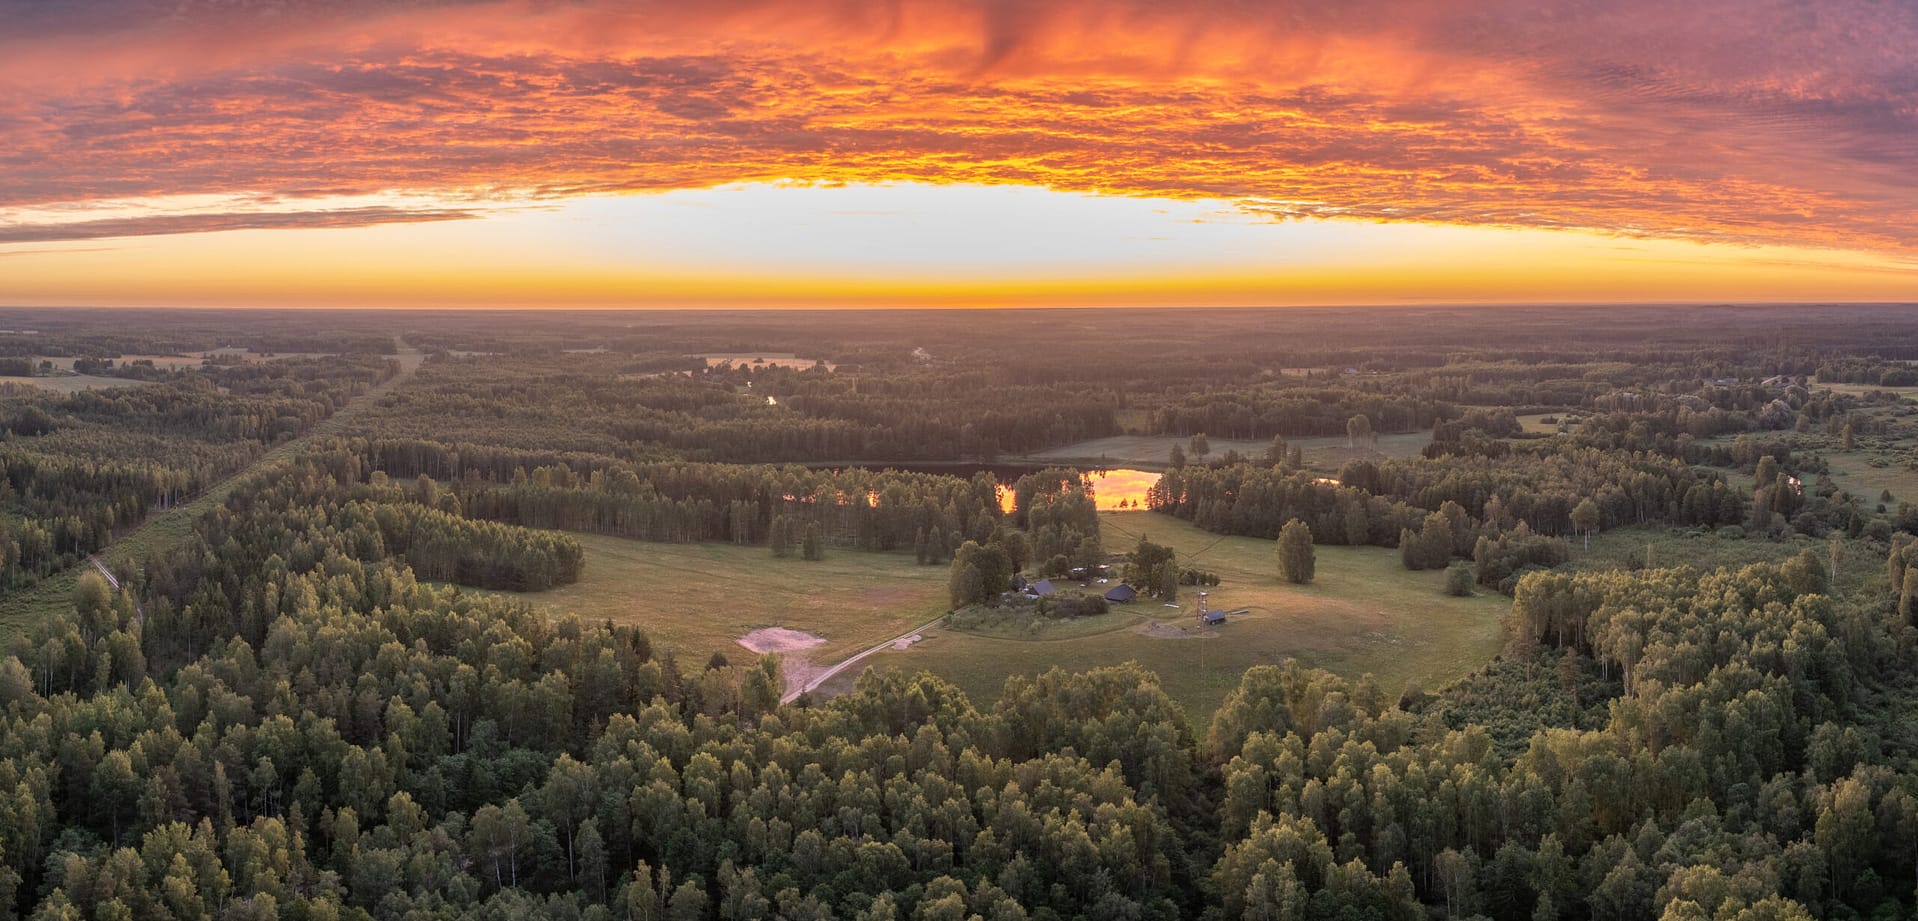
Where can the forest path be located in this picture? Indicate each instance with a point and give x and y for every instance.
(164, 528)
(811, 681)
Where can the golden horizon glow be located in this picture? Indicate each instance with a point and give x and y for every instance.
(766, 153)
(938, 246)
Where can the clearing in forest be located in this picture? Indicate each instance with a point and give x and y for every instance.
(697, 599)
(1363, 613)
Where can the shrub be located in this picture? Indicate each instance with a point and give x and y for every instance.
(1458, 579)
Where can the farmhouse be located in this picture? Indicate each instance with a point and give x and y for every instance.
(1041, 588)
(1120, 594)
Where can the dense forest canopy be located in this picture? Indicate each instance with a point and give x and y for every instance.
(308, 692)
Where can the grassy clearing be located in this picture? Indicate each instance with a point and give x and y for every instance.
(697, 599)
(764, 360)
(72, 383)
(1626, 548)
(1535, 424)
(1877, 464)
(1363, 613)
(1151, 452)
(1908, 393)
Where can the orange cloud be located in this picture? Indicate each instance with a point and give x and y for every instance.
(1721, 120)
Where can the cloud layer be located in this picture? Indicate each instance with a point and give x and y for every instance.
(1734, 120)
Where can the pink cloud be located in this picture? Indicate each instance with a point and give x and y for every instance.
(1721, 120)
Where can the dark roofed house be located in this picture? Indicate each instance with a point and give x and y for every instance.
(1120, 594)
(1212, 618)
(1041, 588)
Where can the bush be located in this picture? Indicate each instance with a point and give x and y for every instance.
(1076, 604)
(1458, 579)
(1198, 577)
(1509, 584)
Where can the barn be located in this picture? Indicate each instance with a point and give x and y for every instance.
(1120, 594)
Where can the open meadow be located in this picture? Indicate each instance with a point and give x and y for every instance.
(1859, 561)
(71, 383)
(698, 599)
(1363, 613)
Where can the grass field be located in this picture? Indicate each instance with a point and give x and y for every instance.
(697, 599)
(1151, 452)
(1862, 389)
(1877, 463)
(1627, 547)
(1363, 613)
(1535, 424)
(764, 360)
(72, 383)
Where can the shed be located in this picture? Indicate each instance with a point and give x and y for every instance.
(1120, 594)
(1041, 588)
(1212, 618)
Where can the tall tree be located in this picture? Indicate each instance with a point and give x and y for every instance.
(1297, 558)
(1585, 518)
(1358, 429)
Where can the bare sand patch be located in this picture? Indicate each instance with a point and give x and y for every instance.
(779, 639)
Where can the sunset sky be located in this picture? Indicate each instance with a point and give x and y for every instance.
(956, 152)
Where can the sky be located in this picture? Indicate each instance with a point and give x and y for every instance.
(764, 153)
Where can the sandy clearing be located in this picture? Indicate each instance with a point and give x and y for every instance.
(779, 639)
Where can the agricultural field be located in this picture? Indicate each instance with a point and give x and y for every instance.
(698, 599)
(1364, 613)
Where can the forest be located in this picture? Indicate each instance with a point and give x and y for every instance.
(325, 695)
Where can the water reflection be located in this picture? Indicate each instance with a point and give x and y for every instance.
(1113, 489)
